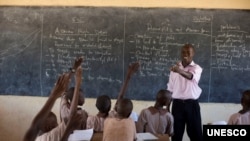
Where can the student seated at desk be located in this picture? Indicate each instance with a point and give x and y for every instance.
(55, 134)
(44, 126)
(157, 119)
(45, 114)
(243, 116)
(66, 101)
(132, 68)
(103, 104)
(67, 97)
(120, 127)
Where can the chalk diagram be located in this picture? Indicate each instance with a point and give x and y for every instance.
(18, 30)
(18, 47)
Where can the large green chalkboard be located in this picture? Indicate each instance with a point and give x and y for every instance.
(39, 43)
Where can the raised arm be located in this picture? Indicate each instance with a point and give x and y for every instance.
(74, 117)
(64, 104)
(78, 82)
(77, 63)
(131, 70)
(60, 86)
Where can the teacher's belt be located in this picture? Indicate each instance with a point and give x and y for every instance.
(185, 100)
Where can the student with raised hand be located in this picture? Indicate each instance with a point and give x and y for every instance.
(57, 133)
(41, 117)
(120, 127)
(103, 103)
(243, 116)
(67, 97)
(68, 94)
(66, 101)
(131, 70)
(75, 117)
(157, 119)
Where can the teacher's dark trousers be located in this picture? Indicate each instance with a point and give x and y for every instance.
(187, 113)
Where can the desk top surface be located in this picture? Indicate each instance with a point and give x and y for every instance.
(98, 137)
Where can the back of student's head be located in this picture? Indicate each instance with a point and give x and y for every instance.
(103, 103)
(245, 100)
(70, 92)
(164, 97)
(124, 107)
(50, 123)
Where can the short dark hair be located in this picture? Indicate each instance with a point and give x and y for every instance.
(163, 96)
(188, 45)
(103, 103)
(124, 107)
(50, 122)
(70, 92)
(245, 100)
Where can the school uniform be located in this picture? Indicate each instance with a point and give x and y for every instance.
(53, 135)
(155, 121)
(239, 119)
(65, 112)
(95, 122)
(116, 129)
(133, 115)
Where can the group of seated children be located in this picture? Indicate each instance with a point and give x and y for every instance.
(115, 124)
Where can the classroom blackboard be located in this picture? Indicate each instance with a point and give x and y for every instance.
(39, 43)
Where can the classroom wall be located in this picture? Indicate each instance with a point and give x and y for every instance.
(232, 4)
(17, 112)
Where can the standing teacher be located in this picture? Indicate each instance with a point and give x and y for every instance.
(183, 83)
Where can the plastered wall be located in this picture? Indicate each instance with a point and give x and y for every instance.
(224, 4)
(17, 112)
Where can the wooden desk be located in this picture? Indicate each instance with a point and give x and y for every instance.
(98, 137)
(163, 137)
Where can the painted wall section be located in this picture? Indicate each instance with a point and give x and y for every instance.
(224, 4)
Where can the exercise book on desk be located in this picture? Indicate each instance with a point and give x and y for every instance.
(81, 135)
(146, 137)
